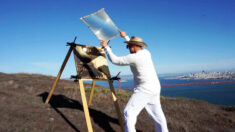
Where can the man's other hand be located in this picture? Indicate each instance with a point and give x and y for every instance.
(122, 34)
(103, 43)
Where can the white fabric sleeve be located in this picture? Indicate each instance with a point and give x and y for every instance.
(125, 60)
(127, 38)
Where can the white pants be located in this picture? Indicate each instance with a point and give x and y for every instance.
(151, 103)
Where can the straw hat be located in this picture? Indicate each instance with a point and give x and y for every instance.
(136, 41)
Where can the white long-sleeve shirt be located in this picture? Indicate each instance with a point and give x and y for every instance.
(145, 77)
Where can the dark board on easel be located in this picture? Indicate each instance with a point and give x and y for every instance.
(91, 62)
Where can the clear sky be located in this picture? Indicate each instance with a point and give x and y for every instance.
(182, 35)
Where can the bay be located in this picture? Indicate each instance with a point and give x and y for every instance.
(220, 94)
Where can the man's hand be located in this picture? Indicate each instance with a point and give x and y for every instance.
(103, 43)
(122, 34)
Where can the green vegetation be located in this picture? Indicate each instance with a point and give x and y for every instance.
(228, 108)
(121, 94)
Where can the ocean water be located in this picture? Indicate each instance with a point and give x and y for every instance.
(220, 94)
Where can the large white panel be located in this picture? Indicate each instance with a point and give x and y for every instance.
(101, 25)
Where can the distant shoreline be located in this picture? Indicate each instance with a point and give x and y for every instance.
(208, 75)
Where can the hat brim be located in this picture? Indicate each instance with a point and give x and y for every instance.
(142, 44)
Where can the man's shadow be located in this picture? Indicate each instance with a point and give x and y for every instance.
(61, 101)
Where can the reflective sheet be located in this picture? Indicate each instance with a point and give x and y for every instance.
(101, 25)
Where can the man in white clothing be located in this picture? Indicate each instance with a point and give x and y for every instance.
(147, 86)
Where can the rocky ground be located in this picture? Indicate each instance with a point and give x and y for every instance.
(22, 109)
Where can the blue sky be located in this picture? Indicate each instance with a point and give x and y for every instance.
(182, 35)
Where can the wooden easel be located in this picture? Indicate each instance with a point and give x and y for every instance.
(83, 94)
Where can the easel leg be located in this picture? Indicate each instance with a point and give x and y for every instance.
(59, 74)
(92, 92)
(85, 107)
(119, 114)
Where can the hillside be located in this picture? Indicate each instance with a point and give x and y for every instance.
(22, 109)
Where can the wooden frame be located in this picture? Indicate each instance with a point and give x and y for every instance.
(83, 95)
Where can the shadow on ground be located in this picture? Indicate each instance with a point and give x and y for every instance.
(61, 101)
